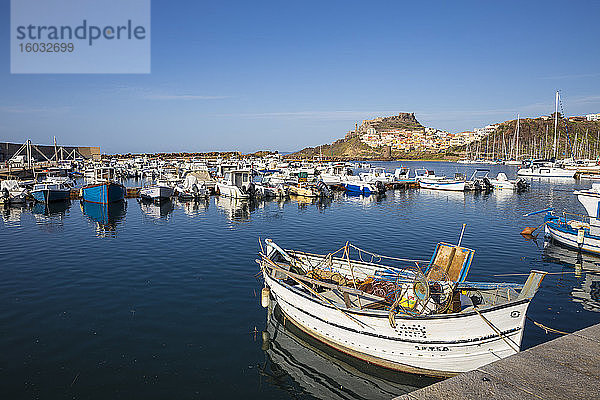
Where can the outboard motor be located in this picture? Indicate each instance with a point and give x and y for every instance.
(487, 185)
(324, 189)
(251, 189)
(380, 186)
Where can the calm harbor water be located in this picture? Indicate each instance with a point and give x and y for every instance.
(141, 301)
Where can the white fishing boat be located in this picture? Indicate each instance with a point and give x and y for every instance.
(428, 180)
(424, 318)
(236, 183)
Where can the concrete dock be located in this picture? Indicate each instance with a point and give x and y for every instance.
(564, 368)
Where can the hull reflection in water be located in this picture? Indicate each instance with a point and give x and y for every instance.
(106, 216)
(49, 216)
(586, 288)
(157, 210)
(51, 209)
(323, 372)
(237, 210)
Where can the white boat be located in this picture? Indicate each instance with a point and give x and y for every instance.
(428, 180)
(236, 183)
(335, 174)
(421, 319)
(159, 191)
(191, 188)
(376, 175)
(545, 169)
(13, 191)
(402, 174)
(501, 182)
(266, 189)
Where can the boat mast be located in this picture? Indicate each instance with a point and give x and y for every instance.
(517, 150)
(555, 125)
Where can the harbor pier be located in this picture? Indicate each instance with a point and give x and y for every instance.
(564, 368)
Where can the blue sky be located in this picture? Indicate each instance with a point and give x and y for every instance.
(285, 75)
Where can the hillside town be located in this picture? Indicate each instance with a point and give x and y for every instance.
(404, 133)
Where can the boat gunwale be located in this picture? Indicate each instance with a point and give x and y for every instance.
(384, 314)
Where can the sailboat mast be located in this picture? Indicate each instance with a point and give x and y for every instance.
(517, 150)
(555, 125)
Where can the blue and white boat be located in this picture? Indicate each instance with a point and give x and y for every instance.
(571, 230)
(104, 189)
(48, 192)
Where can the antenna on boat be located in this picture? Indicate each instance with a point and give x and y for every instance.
(462, 232)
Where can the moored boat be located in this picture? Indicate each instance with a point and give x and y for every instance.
(574, 230)
(424, 319)
(104, 189)
(47, 192)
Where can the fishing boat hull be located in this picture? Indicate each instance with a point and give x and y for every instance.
(455, 186)
(441, 345)
(103, 193)
(578, 236)
(51, 195)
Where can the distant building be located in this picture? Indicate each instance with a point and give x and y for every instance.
(593, 117)
(577, 118)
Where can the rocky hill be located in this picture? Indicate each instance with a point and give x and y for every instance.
(536, 138)
(406, 121)
(351, 148)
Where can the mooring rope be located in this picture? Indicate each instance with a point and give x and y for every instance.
(546, 328)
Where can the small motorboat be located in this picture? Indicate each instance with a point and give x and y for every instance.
(16, 193)
(157, 192)
(191, 189)
(503, 183)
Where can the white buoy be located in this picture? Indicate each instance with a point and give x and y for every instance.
(265, 297)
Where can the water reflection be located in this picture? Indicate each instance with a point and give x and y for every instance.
(442, 195)
(298, 364)
(586, 280)
(237, 210)
(106, 217)
(157, 210)
(365, 200)
(12, 214)
(194, 207)
(50, 217)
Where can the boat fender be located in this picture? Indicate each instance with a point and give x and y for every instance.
(266, 341)
(580, 236)
(265, 297)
